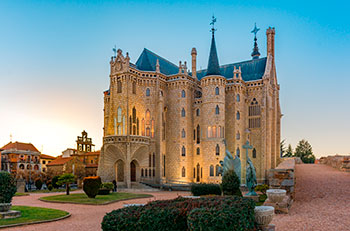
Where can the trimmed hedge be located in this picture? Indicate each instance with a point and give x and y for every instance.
(38, 183)
(230, 184)
(8, 187)
(205, 189)
(208, 213)
(91, 186)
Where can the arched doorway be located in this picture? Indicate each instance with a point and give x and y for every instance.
(119, 171)
(133, 171)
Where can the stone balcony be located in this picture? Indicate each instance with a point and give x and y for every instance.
(125, 139)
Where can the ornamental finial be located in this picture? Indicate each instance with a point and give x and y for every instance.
(213, 21)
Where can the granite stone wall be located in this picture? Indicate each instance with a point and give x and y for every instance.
(340, 162)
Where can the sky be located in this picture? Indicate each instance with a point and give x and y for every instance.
(54, 61)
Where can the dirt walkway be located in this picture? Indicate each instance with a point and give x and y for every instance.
(322, 200)
(84, 217)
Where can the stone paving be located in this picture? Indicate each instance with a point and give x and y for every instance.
(84, 217)
(321, 200)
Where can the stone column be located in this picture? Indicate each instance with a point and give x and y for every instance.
(127, 165)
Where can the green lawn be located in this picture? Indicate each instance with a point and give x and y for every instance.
(32, 214)
(81, 198)
(21, 194)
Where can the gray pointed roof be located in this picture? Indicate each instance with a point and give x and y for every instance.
(251, 70)
(213, 62)
(148, 61)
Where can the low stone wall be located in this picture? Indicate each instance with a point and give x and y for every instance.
(340, 162)
(283, 177)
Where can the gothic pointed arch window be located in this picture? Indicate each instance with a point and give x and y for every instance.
(211, 170)
(183, 172)
(209, 135)
(152, 128)
(146, 172)
(183, 151)
(254, 114)
(198, 134)
(143, 127)
(148, 92)
(154, 159)
(238, 98)
(217, 150)
(183, 112)
(150, 172)
(214, 132)
(217, 170)
(142, 172)
(217, 91)
(238, 152)
(119, 115)
(183, 94)
(183, 133)
(238, 136)
(238, 115)
(198, 151)
(217, 110)
(119, 86)
(148, 123)
(149, 160)
(219, 131)
(118, 122)
(198, 112)
(134, 87)
(134, 115)
(254, 153)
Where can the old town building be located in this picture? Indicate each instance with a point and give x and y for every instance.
(21, 159)
(82, 161)
(164, 123)
(44, 160)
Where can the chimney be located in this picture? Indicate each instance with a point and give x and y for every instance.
(194, 62)
(270, 34)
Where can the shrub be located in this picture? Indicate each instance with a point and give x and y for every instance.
(54, 182)
(205, 189)
(227, 213)
(107, 185)
(262, 188)
(8, 187)
(91, 186)
(49, 187)
(230, 184)
(103, 191)
(38, 183)
(122, 219)
(238, 216)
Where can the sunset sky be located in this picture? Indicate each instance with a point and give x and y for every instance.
(54, 61)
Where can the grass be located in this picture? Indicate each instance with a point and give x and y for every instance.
(21, 194)
(81, 198)
(33, 214)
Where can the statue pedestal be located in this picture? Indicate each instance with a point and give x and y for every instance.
(255, 198)
(270, 227)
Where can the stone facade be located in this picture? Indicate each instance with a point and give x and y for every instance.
(167, 126)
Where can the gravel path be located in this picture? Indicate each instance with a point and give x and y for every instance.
(322, 200)
(84, 217)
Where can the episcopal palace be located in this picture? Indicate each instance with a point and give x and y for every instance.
(166, 123)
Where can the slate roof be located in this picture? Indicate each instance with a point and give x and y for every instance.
(251, 70)
(18, 146)
(148, 60)
(213, 62)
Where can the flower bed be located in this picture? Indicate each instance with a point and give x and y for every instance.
(209, 213)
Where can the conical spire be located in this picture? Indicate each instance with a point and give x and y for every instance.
(213, 62)
(255, 54)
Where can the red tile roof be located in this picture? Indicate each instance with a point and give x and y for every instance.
(44, 156)
(59, 161)
(91, 153)
(20, 146)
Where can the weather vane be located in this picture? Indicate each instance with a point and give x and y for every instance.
(213, 21)
(115, 51)
(255, 30)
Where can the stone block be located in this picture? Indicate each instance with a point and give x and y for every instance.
(287, 182)
(270, 227)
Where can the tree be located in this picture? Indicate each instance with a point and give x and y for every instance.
(282, 148)
(230, 184)
(66, 179)
(289, 151)
(304, 151)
